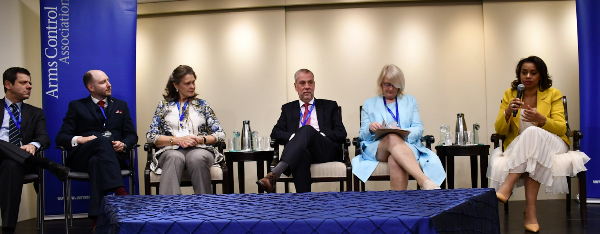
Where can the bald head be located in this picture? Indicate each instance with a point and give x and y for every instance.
(96, 82)
(89, 75)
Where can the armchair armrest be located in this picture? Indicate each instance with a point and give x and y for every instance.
(275, 146)
(576, 135)
(496, 138)
(345, 151)
(63, 152)
(429, 140)
(356, 144)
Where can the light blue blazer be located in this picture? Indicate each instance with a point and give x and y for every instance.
(373, 110)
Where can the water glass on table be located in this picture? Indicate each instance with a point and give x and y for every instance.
(468, 137)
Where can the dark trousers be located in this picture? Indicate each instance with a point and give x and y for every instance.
(12, 173)
(307, 147)
(100, 161)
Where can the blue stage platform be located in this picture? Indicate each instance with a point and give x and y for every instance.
(413, 211)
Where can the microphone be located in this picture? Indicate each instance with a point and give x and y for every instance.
(520, 90)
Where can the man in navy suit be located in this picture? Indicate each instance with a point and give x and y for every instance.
(98, 132)
(312, 131)
(23, 132)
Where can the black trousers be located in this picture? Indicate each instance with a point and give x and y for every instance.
(307, 147)
(12, 173)
(100, 161)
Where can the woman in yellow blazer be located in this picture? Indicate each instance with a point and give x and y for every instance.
(537, 150)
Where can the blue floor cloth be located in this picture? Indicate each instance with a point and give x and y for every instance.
(412, 211)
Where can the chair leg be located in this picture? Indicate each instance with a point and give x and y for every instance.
(70, 202)
(39, 208)
(583, 198)
(341, 186)
(66, 205)
(568, 198)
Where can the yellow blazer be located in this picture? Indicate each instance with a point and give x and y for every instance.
(549, 104)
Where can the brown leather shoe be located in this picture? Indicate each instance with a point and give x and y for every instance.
(267, 183)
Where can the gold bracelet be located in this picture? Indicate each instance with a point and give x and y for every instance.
(171, 141)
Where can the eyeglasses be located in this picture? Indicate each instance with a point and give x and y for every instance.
(387, 85)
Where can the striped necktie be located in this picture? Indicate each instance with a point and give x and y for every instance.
(14, 134)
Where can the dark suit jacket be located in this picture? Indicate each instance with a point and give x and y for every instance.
(83, 119)
(330, 121)
(33, 125)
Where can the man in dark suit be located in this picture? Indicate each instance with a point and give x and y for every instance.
(312, 131)
(98, 131)
(22, 133)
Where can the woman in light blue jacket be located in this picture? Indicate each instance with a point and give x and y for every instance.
(404, 156)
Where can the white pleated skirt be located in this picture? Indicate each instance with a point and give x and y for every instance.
(544, 155)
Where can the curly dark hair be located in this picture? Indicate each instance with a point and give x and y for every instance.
(171, 93)
(545, 81)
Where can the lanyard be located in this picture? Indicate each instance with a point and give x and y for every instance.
(103, 114)
(17, 121)
(397, 116)
(307, 116)
(182, 113)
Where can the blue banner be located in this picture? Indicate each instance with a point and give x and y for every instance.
(588, 33)
(78, 36)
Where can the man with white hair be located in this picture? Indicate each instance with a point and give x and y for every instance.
(311, 130)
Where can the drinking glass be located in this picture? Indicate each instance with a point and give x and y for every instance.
(230, 145)
(468, 137)
(237, 144)
(266, 143)
(448, 138)
(443, 130)
(260, 144)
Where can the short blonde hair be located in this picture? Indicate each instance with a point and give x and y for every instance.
(396, 77)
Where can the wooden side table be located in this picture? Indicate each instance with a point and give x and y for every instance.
(447, 154)
(245, 156)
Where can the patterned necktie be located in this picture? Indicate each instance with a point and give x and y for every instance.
(14, 134)
(101, 104)
(306, 114)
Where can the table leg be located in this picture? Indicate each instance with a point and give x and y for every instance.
(241, 178)
(445, 183)
(260, 172)
(450, 162)
(473, 159)
(483, 168)
(229, 164)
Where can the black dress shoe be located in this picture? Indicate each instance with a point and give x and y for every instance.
(61, 172)
(7, 230)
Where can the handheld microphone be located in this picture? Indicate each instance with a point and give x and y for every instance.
(520, 90)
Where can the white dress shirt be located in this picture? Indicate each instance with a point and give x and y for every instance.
(4, 130)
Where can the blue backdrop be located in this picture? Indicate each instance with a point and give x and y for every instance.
(588, 33)
(78, 36)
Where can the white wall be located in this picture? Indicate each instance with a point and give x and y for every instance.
(20, 47)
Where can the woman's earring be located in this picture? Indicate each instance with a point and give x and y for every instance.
(177, 90)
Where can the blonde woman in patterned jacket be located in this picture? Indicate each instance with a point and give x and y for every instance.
(185, 128)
